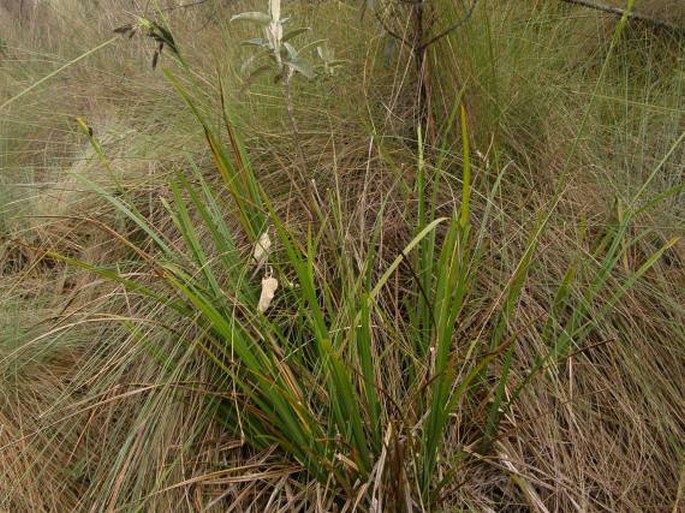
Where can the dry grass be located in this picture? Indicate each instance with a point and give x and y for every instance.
(103, 407)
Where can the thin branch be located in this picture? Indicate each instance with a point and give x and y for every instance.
(452, 28)
(631, 15)
(389, 31)
(432, 40)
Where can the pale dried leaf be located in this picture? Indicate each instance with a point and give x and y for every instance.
(269, 286)
(261, 249)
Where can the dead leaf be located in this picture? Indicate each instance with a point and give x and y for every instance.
(261, 249)
(269, 286)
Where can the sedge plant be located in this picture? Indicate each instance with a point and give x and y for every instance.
(306, 372)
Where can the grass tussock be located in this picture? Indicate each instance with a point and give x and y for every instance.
(453, 288)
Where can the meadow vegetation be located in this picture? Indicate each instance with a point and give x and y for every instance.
(351, 284)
